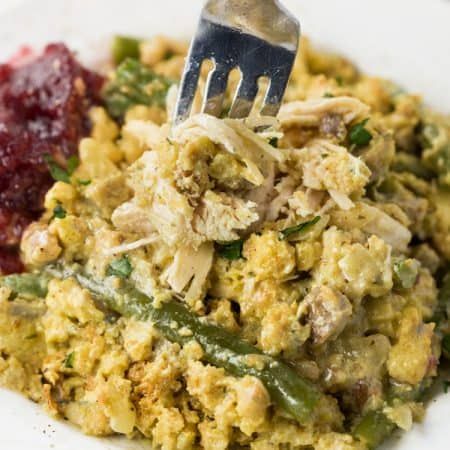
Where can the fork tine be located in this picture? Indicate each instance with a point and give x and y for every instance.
(274, 95)
(215, 91)
(187, 91)
(231, 33)
(245, 97)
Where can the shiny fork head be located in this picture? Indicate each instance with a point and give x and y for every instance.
(257, 36)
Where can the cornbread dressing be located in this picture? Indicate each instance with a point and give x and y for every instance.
(318, 238)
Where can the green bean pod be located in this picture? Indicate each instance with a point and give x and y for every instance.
(124, 47)
(373, 429)
(287, 389)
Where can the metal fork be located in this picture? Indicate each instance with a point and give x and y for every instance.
(260, 37)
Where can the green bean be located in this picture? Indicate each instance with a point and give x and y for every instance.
(375, 426)
(124, 47)
(406, 393)
(176, 323)
(26, 284)
(435, 137)
(373, 429)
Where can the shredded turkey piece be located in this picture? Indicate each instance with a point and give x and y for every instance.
(309, 113)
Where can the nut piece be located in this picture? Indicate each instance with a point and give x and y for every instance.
(328, 313)
(38, 245)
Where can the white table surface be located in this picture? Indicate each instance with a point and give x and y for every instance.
(7, 4)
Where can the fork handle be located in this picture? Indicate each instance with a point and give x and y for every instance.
(263, 18)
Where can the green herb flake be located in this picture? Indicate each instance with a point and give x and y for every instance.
(230, 250)
(406, 272)
(121, 268)
(134, 84)
(59, 212)
(69, 360)
(225, 112)
(31, 336)
(300, 228)
(328, 95)
(72, 163)
(124, 47)
(273, 142)
(446, 385)
(56, 171)
(84, 182)
(169, 55)
(359, 136)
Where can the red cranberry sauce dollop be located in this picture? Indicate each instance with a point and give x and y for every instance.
(43, 110)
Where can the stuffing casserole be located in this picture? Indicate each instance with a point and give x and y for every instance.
(261, 283)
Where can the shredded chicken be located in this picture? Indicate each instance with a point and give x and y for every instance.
(190, 264)
(262, 195)
(129, 217)
(310, 112)
(129, 246)
(333, 168)
(219, 216)
(306, 202)
(387, 228)
(234, 137)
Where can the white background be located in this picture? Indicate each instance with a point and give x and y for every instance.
(406, 40)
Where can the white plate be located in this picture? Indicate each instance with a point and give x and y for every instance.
(405, 40)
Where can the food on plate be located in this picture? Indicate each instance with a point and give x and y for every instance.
(44, 100)
(267, 283)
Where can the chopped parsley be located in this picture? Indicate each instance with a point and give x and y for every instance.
(72, 163)
(134, 84)
(300, 228)
(169, 55)
(225, 112)
(69, 360)
(273, 142)
(230, 250)
(121, 268)
(59, 212)
(84, 182)
(57, 172)
(328, 95)
(124, 47)
(446, 385)
(406, 272)
(359, 136)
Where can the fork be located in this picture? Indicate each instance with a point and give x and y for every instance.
(259, 37)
